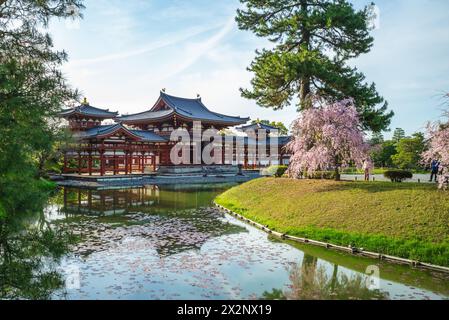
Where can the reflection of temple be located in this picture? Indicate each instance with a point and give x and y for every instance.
(146, 199)
(140, 143)
(174, 220)
(108, 202)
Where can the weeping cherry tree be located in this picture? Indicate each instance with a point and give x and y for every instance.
(439, 149)
(327, 136)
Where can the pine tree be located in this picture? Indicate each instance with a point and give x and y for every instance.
(32, 91)
(398, 135)
(377, 138)
(410, 151)
(314, 39)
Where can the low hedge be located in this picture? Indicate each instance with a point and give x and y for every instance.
(398, 175)
(327, 175)
(275, 170)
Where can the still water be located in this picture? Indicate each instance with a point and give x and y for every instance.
(169, 242)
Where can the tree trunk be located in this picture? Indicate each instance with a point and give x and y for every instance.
(334, 278)
(304, 92)
(337, 173)
(304, 89)
(337, 168)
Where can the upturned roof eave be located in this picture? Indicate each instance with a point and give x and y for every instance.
(67, 113)
(182, 116)
(124, 120)
(110, 131)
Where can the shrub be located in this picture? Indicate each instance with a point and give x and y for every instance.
(398, 175)
(327, 175)
(275, 170)
(2, 211)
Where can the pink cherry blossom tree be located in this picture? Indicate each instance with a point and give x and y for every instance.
(438, 134)
(327, 136)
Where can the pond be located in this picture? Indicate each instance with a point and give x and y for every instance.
(169, 242)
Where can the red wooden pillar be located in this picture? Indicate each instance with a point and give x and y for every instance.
(139, 162)
(126, 162)
(143, 162)
(115, 163)
(245, 158)
(131, 159)
(102, 163)
(165, 156)
(153, 161)
(223, 153)
(90, 163)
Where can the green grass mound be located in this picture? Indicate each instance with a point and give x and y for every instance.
(408, 220)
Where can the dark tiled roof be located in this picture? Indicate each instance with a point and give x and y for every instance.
(189, 108)
(149, 136)
(88, 110)
(104, 130)
(146, 115)
(95, 131)
(281, 140)
(256, 126)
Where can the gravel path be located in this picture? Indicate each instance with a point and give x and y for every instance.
(423, 178)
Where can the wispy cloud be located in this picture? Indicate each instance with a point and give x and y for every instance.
(125, 51)
(196, 51)
(166, 42)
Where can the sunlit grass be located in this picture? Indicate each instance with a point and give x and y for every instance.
(409, 220)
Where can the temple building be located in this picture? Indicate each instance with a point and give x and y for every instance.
(171, 112)
(140, 143)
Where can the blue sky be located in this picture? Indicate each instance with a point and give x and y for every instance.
(123, 52)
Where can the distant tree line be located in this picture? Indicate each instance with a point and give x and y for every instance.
(401, 151)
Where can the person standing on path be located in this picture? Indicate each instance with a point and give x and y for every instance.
(366, 168)
(434, 166)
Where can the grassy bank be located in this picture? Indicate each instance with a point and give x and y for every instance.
(407, 220)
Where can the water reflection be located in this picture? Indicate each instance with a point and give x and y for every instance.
(308, 281)
(108, 202)
(173, 219)
(168, 242)
(147, 199)
(30, 252)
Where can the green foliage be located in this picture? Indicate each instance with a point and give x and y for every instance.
(398, 134)
(376, 139)
(28, 263)
(409, 151)
(275, 170)
(407, 220)
(327, 175)
(275, 294)
(398, 175)
(382, 154)
(2, 212)
(32, 92)
(314, 41)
